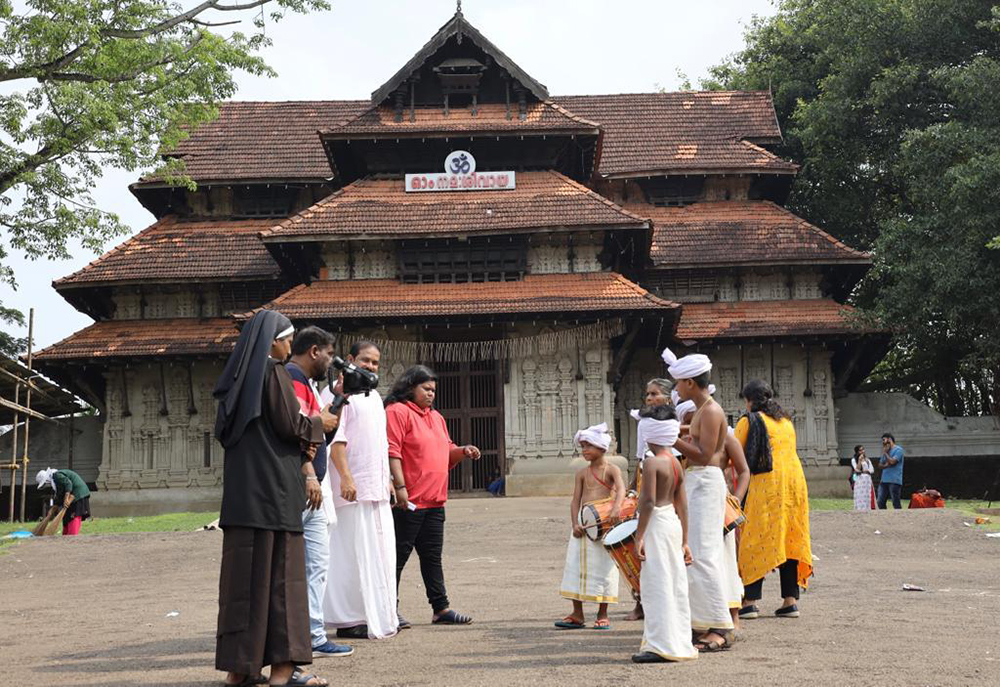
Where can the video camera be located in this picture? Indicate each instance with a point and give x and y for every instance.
(356, 381)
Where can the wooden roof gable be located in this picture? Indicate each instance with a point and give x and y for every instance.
(459, 28)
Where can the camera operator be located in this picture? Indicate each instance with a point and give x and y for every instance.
(361, 595)
(312, 355)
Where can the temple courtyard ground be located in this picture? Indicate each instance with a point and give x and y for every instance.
(139, 609)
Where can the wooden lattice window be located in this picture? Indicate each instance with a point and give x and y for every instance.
(453, 261)
(262, 201)
(244, 296)
(678, 286)
(672, 191)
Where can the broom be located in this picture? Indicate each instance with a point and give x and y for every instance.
(49, 524)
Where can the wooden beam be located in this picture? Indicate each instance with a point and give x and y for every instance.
(18, 408)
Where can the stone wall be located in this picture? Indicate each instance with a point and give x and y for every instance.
(158, 430)
(801, 376)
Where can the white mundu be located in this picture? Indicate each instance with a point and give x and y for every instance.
(361, 585)
(734, 585)
(664, 583)
(708, 577)
(589, 573)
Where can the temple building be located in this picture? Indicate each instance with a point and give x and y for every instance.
(537, 251)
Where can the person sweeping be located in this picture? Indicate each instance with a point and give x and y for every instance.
(71, 493)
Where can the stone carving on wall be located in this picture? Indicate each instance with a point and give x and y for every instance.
(594, 384)
(336, 261)
(126, 306)
(729, 391)
(756, 365)
(374, 264)
(807, 286)
(185, 305)
(586, 258)
(530, 399)
(783, 384)
(567, 397)
(548, 260)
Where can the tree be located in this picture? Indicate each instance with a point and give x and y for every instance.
(91, 84)
(890, 106)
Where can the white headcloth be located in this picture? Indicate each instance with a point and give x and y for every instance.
(596, 436)
(684, 409)
(44, 477)
(688, 367)
(659, 432)
(641, 452)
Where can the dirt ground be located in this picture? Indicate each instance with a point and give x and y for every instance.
(99, 610)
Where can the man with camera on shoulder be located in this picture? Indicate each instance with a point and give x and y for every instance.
(361, 594)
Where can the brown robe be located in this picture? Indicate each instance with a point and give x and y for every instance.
(263, 601)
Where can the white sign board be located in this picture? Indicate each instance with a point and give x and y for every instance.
(460, 175)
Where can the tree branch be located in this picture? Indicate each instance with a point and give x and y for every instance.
(191, 14)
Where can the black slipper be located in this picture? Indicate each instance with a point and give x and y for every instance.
(356, 632)
(452, 618)
(649, 657)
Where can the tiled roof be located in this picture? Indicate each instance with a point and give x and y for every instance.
(383, 208)
(173, 249)
(685, 132)
(265, 140)
(538, 294)
(737, 233)
(125, 338)
(643, 133)
(490, 118)
(764, 319)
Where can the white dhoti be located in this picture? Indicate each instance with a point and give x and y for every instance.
(708, 578)
(589, 574)
(734, 585)
(664, 583)
(361, 586)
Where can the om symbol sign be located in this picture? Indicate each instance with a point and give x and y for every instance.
(460, 162)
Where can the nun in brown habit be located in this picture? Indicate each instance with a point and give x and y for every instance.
(263, 603)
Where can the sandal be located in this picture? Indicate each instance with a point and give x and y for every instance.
(570, 623)
(711, 647)
(602, 624)
(302, 680)
(452, 618)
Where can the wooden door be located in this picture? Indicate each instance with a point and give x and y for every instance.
(470, 397)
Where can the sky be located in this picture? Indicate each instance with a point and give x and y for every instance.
(574, 48)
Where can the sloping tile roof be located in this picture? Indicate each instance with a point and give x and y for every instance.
(738, 233)
(643, 133)
(541, 294)
(490, 118)
(383, 208)
(126, 338)
(764, 319)
(685, 132)
(264, 140)
(173, 249)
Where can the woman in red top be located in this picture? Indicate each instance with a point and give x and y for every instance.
(420, 454)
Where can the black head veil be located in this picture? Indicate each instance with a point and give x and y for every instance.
(241, 386)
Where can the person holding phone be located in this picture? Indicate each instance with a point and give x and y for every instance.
(861, 471)
(891, 481)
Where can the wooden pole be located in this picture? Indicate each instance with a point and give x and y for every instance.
(27, 420)
(13, 449)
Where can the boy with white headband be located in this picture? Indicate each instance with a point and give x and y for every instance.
(705, 485)
(661, 543)
(589, 573)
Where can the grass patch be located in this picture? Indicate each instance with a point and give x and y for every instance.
(171, 522)
(968, 508)
(831, 504)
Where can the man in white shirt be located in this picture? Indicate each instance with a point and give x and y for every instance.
(361, 588)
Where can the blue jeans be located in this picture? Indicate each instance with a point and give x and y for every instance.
(885, 490)
(317, 539)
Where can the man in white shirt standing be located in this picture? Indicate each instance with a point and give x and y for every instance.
(361, 586)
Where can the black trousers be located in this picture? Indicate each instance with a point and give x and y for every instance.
(422, 530)
(789, 573)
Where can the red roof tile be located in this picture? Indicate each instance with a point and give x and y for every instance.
(643, 133)
(265, 140)
(490, 119)
(126, 338)
(764, 319)
(537, 294)
(382, 207)
(738, 233)
(686, 132)
(175, 250)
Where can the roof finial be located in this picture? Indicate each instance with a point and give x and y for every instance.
(458, 8)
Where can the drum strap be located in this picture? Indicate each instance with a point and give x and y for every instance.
(605, 484)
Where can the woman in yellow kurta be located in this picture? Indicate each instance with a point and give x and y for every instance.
(776, 533)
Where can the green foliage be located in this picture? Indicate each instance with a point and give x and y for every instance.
(890, 106)
(92, 84)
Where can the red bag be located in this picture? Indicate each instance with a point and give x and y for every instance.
(926, 498)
